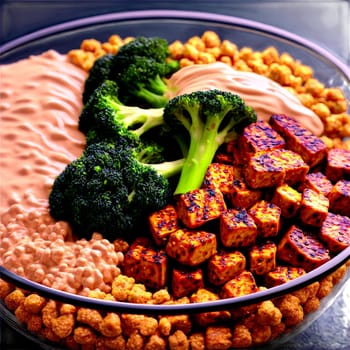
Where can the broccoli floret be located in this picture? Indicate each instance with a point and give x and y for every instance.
(99, 72)
(208, 118)
(140, 68)
(109, 190)
(104, 116)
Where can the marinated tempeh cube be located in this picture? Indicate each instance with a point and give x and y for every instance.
(185, 281)
(197, 207)
(220, 176)
(287, 199)
(338, 164)
(267, 218)
(300, 140)
(208, 318)
(339, 198)
(242, 196)
(146, 265)
(302, 249)
(282, 274)
(270, 169)
(259, 136)
(262, 258)
(223, 266)
(237, 229)
(318, 182)
(242, 284)
(335, 232)
(313, 208)
(162, 223)
(191, 248)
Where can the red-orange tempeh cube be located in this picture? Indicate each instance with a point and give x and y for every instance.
(185, 281)
(242, 196)
(313, 208)
(225, 265)
(302, 249)
(339, 198)
(267, 218)
(318, 182)
(262, 258)
(338, 164)
(282, 274)
(242, 284)
(300, 140)
(197, 207)
(237, 229)
(287, 199)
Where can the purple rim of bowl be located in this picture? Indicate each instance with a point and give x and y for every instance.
(175, 14)
(221, 304)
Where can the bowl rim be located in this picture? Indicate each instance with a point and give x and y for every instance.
(180, 15)
(221, 304)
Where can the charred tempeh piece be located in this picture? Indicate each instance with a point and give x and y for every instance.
(185, 281)
(302, 249)
(298, 139)
(338, 164)
(339, 198)
(262, 258)
(283, 274)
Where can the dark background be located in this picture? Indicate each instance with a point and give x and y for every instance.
(324, 22)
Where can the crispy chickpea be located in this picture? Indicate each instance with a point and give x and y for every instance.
(161, 296)
(120, 245)
(337, 125)
(321, 110)
(302, 71)
(287, 60)
(131, 323)
(155, 342)
(184, 62)
(242, 66)
(164, 326)
(178, 341)
(115, 39)
(49, 334)
(14, 299)
(306, 99)
(261, 334)
(280, 74)
(109, 48)
(67, 309)
(241, 337)
(34, 303)
(22, 314)
(176, 49)
(49, 312)
(277, 330)
(197, 42)
(197, 341)
(148, 326)
(258, 67)
(270, 55)
(211, 39)
(191, 52)
(90, 317)
(214, 52)
(291, 309)
(84, 335)
(246, 53)
(228, 48)
(111, 325)
(91, 45)
(326, 285)
(311, 304)
(34, 323)
(227, 60)
(63, 325)
(268, 314)
(111, 343)
(333, 94)
(138, 294)
(337, 107)
(218, 338)
(121, 286)
(135, 342)
(338, 274)
(206, 57)
(314, 87)
(5, 288)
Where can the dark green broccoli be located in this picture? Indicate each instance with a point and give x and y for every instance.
(109, 189)
(104, 116)
(140, 68)
(208, 118)
(99, 72)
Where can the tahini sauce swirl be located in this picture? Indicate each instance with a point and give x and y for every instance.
(263, 94)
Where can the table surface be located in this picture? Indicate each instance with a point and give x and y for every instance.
(305, 18)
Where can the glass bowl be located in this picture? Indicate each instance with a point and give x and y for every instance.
(182, 25)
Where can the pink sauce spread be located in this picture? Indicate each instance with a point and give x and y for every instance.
(40, 103)
(259, 92)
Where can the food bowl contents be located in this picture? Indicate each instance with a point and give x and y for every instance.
(173, 196)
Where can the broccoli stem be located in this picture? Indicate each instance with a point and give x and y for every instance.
(157, 101)
(203, 146)
(170, 168)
